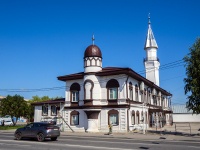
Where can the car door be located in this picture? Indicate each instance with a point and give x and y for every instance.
(27, 130)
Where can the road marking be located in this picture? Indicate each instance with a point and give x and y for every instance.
(18, 141)
(13, 144)
(131, 139)
(193, 147)
(95, 147)
(59, 144)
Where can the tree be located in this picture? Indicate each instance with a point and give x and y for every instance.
(15, 106)
(192, 81)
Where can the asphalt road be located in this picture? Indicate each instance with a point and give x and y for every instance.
(66, 142)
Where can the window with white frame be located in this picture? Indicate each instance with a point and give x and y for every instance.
(74, 120)
(112, 93)
(75, 96)
(44, 110)
(112, 89)
(53, 110)
(113, 117)
(74, 90)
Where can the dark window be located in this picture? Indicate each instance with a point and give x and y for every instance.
(136, 93)
(53, 110)
(130, 91)
(44, 110)
(133, 117)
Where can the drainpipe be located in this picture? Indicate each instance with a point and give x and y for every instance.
(129, 104)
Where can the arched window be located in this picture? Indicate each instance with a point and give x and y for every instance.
(112, 89)
(130, 91)
(113, 117)
(137, 117)
(136, 93)
(133, 117)
(74, 90)
(74, 118)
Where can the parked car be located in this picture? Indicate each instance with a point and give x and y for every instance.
(8, 123)
(38, 130)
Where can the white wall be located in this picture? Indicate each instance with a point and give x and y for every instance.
(186, 118)
(37, 113)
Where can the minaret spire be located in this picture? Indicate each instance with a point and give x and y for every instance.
(93, 39)
(149, 19)
(151, 61)
(150, 40)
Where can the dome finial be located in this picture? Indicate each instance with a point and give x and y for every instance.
(93, 39)
(149, 19)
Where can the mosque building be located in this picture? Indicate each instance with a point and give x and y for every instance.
(101, 96)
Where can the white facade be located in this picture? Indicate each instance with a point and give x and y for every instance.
(120, 97)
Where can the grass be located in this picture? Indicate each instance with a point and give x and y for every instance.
(11, 127)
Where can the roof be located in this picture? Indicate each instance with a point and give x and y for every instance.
(92, 51)
(56, 101)
(114, 71)
(180, 109)
(150, 40)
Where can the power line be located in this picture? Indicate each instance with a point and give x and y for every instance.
(163, 67)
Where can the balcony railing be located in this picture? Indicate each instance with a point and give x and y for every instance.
(151, 59)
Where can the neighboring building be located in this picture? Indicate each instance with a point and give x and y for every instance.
(181, 114)
(101, 96)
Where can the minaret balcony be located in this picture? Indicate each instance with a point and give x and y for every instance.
(151, 59)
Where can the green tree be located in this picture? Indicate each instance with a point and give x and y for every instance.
(192, 81)
(15, 106)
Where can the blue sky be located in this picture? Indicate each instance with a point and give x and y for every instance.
(43, 39)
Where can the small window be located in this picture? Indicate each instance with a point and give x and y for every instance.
(114, 119)
(133, 118)
(112, 93)
(112, 89)
(53, 110)
(44, 110)
(137, 117)
(74, 119)
(136, 93)
(75, 96)
(130, 91)
(74, 90)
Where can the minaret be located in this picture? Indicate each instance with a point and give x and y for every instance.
(151, 61)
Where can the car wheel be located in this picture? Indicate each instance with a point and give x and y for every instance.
(18, 135)
(40, 137)
(54, 138)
